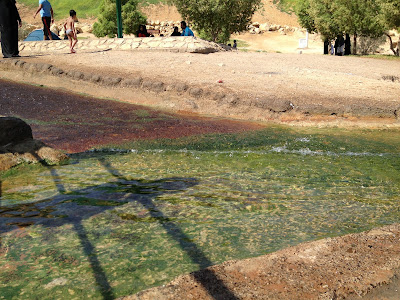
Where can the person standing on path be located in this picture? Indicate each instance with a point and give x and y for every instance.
(9, 22)
(186, 31)
(46, 12)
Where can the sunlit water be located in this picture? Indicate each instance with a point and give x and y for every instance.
(113, 223)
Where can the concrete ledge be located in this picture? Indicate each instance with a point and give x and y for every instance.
(173, 44)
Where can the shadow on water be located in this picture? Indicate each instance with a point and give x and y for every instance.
(62, 209)
(209, 280)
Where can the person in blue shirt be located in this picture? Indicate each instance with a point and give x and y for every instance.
(46, 12)
(186, 31)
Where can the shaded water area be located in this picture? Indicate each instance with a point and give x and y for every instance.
(111, 224)
(131, 216)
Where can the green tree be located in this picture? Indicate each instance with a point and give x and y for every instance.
(107, 20)
(359, 18)
(216, 20)
(316, 16)
(333, 17)
(391, 17)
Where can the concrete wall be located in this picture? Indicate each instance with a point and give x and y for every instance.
(174, 44)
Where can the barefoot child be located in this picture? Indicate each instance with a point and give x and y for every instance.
(70, 31)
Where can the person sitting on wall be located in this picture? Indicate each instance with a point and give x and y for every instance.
(176, 32)
(186, 31)
(142, 32)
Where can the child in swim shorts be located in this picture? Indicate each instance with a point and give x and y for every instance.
(70, 31)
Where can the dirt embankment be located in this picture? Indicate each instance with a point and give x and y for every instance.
(295, 88)
(347, 267)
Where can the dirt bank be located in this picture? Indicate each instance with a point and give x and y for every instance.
(347, 267)
(77, 123)
(295, 88)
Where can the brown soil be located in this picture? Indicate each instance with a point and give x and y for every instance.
(76, 123)
(339, 88)
(347, 267)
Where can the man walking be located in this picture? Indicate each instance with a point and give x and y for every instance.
(9, 21)
(46, 12)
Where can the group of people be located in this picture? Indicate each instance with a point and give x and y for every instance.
(186, 31)
(340, 47)
(10, 20)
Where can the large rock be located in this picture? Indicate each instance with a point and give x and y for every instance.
(18, 146)
(13, 131)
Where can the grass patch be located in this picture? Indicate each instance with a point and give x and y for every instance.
(240, 43)
(84, 9)
(380, 56)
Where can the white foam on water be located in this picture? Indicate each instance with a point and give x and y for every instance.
(282, 149)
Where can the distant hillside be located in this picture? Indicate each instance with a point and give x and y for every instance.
(85, 9)
(273, 12)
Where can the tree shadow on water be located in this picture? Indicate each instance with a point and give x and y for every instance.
(63, 209)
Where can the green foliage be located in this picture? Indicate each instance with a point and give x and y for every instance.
(107, 20)
(365, 18)
(391, 12)
(358, 17)
(216, 20)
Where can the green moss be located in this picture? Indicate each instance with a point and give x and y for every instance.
(94, 202)
(177, 205)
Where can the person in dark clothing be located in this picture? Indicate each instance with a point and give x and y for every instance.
(176, 32)
(339, 45)
(326, 46)
(142, 32)
(347, 45)
(9, 22)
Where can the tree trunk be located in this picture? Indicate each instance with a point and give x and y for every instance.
(391, 44)
(355, 44)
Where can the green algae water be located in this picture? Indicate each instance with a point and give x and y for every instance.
(125, 218)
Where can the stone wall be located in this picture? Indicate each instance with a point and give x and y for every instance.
(174, 44)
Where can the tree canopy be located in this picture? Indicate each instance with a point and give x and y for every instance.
(371, 18)
(216, 20)
(107, 20)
